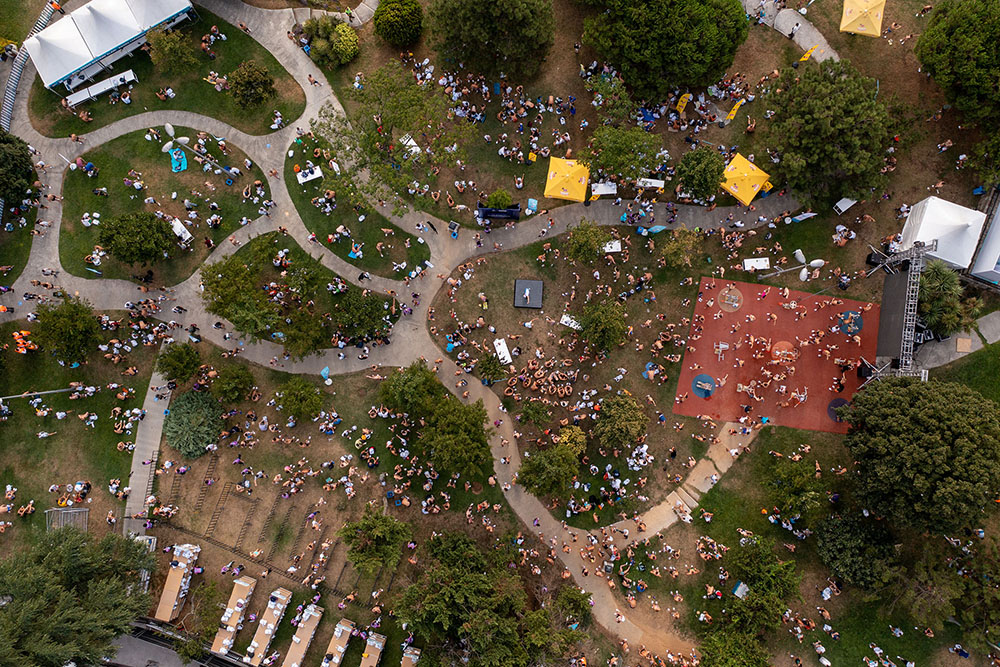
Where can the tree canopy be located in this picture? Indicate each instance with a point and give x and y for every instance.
(16, 171)
(374, 540)
(503, 36)
(471, 606)
(549, 472)
(857, 549)
(300, 398)
(621, 422)
(586, 241)
(680, 246)
(941, 301)
(700, 172)
(658, 45)
(137, 238)
(179, 361)
(925, 453)
(68, 330)
(614, 104)
(170, 52)
(68, 597)
(959, 49)
(414, 390)
(455, 436)
(490, 368)
(233, 383)
(251, 84)
(399, 22)
(194, 422)
(332, 42)
(603, 324)
(622, 153)
(829, 130)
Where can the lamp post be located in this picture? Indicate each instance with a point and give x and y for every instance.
(803, 266)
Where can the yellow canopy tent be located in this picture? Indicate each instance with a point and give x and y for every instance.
(567, 179)
(743, 179)
(863, 17)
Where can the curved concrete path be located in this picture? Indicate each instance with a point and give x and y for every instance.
(784, 20)
(411, 338)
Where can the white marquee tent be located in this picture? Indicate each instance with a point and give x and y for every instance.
(91, 38)
(955, 227)
(987, 264)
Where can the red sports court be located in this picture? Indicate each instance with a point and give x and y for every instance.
(790, 356)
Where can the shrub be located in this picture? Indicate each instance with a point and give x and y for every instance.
(178, 362)
(192, 423)
(499, 198)
(399, 22)
(300, 398)
(251, 84)
(332, 43)
(233, 384)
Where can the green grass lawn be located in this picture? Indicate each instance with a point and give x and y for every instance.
(192, 92)
(75, 452)
(15, 242)
(132, 151)
(978, 371)
(17, 17)
(379, 251)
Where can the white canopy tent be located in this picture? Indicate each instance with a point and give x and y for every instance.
(987, 264)
(955, 227)
(94, 36)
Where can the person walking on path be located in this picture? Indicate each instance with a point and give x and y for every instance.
(57, 7)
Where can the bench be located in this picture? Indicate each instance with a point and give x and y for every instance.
(101, 87)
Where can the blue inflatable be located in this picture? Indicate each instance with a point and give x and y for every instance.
(178, 161)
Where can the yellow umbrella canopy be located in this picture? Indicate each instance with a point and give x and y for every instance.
(567, 179)
(743, 179)
(863, 17)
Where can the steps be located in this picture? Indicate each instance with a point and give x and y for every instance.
(219, 506)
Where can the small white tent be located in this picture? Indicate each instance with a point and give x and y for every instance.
(987, 265)
(955, 227)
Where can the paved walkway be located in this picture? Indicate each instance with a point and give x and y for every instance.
(410, 337)
(806, 37)
(940, 353)
(147, 447)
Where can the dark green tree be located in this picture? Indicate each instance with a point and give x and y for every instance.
(792, 487)
(680, 247)
(621, 422)
(199, 620)
(615, 104)
(455, 436)
(603, 324)
(68, 330)
(574, 605)
(300, 398)
(374, 540)
(469, 603)
(857, 549)
(535, 412)
(332, 42)
(986, 158)
(67, 597)
(233, 384)
(504, 36)
(499, 198)
(361, 316)
(226, 295)
(251, 84)
(16, 171)
(928, 590)
(830, 131)
(549, 472)
(942, 303)
(700, 172)
(194, 422)
(622, 153)
(730, 648)
(414, 390)
(490, 368)
(658, 45)
(399, 22)
(137, 238)
(178, 362)
(586, 241)
(771, 582)
(170, 52)
(925, 453)
(959, 49)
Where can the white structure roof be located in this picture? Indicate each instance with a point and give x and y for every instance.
(91, 32)
(955, 227)
(987, 264)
